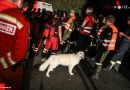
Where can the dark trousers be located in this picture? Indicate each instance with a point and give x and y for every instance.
(83, 42)
(121, 51)
(100, 51)
(12, 79)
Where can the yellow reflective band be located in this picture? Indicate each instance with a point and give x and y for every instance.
(11, 20)
(9, 58)
(113, 63)
(118, 62)
(3, 63)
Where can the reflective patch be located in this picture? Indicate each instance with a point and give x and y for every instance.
(7, 28)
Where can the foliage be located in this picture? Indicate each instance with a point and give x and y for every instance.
(66, 5)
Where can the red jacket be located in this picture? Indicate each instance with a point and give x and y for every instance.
(89, 25)
(13, 36)
(5, 4)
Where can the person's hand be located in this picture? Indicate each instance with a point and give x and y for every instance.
(121, 34)
(61, 42)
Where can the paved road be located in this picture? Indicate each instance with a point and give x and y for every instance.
(61, 80)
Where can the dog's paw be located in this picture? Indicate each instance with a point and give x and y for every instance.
(47, 75)
(71, 74)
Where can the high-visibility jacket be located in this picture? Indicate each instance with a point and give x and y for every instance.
(89, 25)
(109, 42)
(14, 36)
(67, 25)
(68, 28)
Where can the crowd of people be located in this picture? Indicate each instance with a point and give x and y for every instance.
(56, 28)
(53, 31)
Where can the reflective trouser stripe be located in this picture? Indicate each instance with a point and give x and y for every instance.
(113, 63)
(118, 62)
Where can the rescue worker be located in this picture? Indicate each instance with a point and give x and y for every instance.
(54, 36)
(37, 32)
(117, 58)
(14, 41)
(85, 32)
(100, 22)
(107, 37)
(69, 25)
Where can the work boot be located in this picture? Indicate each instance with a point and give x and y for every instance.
(96, 75)
(116, 67)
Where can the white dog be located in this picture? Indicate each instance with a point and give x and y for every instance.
(69, 60)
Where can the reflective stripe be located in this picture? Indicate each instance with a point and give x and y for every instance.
(87, 27)
(3, 63)
(109, 40)
(9, 58)
(11, 20)
(113, 63)
(111, 45)
(86, 31)
(35, 50)
(118, 62)
(98, 63)
(70, 30)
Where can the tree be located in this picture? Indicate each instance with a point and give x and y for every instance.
(66, 5)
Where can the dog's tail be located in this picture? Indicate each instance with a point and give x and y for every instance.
(44, 66)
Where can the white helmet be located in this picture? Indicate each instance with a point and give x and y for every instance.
(89, 10)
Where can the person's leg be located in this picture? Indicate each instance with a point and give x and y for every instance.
(55, 46)
(99, 65)
(99, 53)
(81, 42)
(117, 58)
(87, 44)
(46, 48)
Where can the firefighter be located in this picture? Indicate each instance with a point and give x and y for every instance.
(69, 25)
(85, 32)
(107, 37)
(117, 58)
(14, 41)
(54, 35)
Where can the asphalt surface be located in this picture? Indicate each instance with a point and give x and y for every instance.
(81, 80)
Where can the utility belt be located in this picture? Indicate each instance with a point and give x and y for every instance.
(86, 30)
(7, 62)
